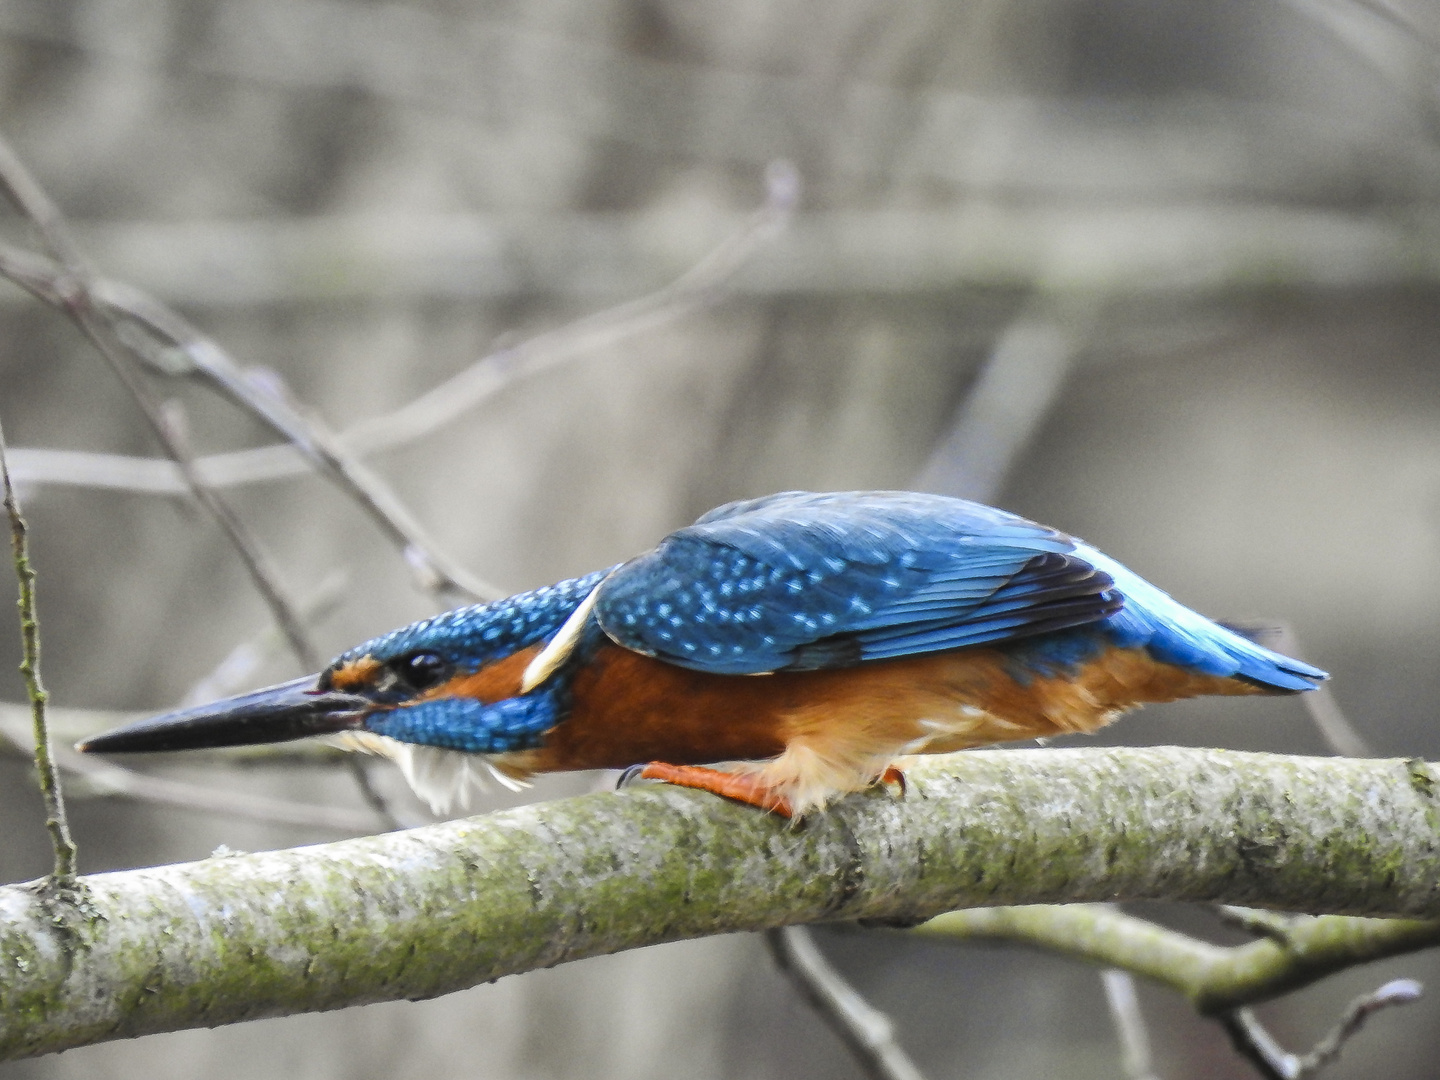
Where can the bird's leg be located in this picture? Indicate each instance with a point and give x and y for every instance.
(743, 787)
(893, 775)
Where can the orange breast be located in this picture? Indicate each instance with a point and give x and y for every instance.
(630, 708)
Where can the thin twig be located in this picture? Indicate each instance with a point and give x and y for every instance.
(1322, 708)
(373, 797)
(1215, 979)
(1395, 992)
(45, 767)
(74, 289)
(867, 1032)
(191, 352)
(1014, 391)
(1257, 1046)
(1275, 925)
(699, 286)
(1135, 1056)
(108, 778)
(1274, 1062)
(236, 671)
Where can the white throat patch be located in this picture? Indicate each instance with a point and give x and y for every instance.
(447, 780)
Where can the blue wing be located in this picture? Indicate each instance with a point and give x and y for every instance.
(805, 581)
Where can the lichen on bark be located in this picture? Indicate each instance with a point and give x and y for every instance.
(425, 912)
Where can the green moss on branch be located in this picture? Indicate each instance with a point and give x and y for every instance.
(425, 912)
(1215, 979)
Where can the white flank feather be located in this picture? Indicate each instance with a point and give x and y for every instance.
(447, 780)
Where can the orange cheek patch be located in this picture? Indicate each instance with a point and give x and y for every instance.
(356, 675)
(492, 683)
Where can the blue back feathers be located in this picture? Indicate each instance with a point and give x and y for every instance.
(804, 581)
(801, 580)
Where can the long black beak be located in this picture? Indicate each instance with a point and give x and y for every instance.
(291, 710)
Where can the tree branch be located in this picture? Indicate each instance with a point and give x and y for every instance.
(1274, 1062)
(425, 912)
(192, 353)
(1136, 1060)
(700, 286)
(866, 1032)
(73, 293)
(1217, 980)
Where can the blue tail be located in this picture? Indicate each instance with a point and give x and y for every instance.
(1174, 634)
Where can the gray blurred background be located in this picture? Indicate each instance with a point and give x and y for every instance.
(1162, 275)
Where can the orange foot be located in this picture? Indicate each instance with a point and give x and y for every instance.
(892, 775)
(743, 787)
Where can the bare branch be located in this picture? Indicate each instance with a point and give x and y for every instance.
(1394, 992)
(1129, 1021)
(544, 884)
(1018, 385)
(1270, 924)
(190, 352)
(1256, 1045)
(107, 778)
(699, 287)
(1274, 1062)
(865, 1031)
(1215, 979)
(1320, 705)
(1341, 735)
(73, 289)
(45, 768)
(236, 671)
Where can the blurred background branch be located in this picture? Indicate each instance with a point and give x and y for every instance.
(1162, 276)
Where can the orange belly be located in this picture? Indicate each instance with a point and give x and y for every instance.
(844, 725)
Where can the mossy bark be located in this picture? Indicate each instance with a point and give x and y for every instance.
(1216, 979)
(431, 910)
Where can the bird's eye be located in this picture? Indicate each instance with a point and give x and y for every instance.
(422, 670)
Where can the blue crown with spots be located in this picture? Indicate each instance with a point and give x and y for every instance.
(471, 637)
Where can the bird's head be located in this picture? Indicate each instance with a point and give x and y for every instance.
(463, 680)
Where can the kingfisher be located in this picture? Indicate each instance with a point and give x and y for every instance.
(781, 651)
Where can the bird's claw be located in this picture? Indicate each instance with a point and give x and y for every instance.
(895, 776)
(628, 776)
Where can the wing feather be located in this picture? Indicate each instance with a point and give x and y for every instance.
(803, 580)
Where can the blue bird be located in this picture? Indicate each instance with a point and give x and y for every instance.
(884, 624)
